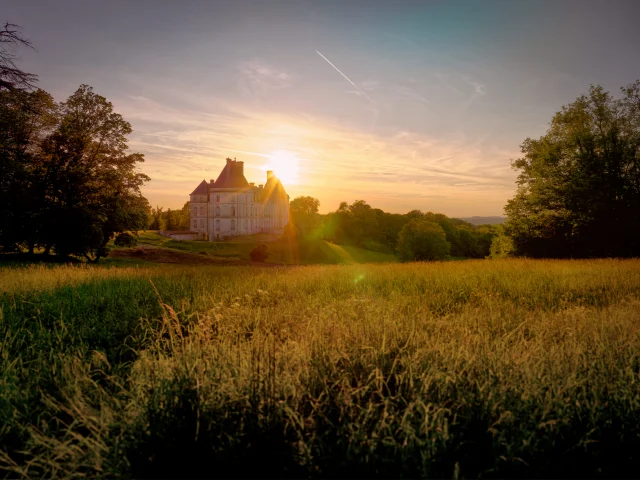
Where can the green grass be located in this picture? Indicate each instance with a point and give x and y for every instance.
(350, 255)
(478, 368)
(282, 251)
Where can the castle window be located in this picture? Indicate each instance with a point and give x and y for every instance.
(201, 223)
(233, 224)
(195, 224)
(218, 225)
(217, 211)
(217, 198)
(233, 211)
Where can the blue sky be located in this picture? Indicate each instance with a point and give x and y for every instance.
(437, 98)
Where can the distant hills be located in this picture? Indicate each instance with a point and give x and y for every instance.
(484, 220)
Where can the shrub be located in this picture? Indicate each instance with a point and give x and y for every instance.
(260, 253)
(126, 240)
(501, 245)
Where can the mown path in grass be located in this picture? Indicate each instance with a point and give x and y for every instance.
(479, 368)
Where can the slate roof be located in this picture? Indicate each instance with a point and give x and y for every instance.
(231, 176)
(201, 189)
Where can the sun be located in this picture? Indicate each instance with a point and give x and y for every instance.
(285, 166)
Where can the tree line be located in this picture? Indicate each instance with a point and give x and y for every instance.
(68, 183)
(412, 236)
(168, 220)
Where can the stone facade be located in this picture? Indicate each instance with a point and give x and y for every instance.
(230, 206)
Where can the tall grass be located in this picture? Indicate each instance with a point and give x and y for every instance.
(466, 369)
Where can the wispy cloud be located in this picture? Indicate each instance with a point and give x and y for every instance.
(404, 91)
(256, 76)
(370, 85)
(337, 162)
(478, 87)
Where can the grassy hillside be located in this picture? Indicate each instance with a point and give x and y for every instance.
(479, 368)
(280, 250)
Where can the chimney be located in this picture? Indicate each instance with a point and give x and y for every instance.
(270, 175)
(240, 168)
(252, 185)
(260, 186)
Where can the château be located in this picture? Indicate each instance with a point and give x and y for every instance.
(230, 206)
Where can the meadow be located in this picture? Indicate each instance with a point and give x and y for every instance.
(281, 250)
(465, 369)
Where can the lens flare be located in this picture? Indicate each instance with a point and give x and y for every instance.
(285, 166)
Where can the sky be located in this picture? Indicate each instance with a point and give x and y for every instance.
(404, 104)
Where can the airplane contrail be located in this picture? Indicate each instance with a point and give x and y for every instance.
(347, 78)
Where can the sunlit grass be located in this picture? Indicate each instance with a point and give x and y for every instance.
(316, 251)
(477, 368)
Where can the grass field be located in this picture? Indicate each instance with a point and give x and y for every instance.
(281, 251)
(459, 369)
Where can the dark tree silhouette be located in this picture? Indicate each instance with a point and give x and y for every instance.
(11, 77)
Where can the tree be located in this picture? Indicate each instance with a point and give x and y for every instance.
(468, 243)
(422, 240)
(91, 184)
(353, 223)
(11, 77)
(579, 184)
(304, 216)
(26, 118)
(501, 245)
(184, 222)
(304, 206)
(169, 224)
(156, 219)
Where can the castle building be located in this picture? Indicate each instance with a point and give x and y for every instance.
(231, 206)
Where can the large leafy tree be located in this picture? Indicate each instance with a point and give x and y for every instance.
(90, 180)
(355, 223)
(422, 240)
(579, 184)
(304, 215)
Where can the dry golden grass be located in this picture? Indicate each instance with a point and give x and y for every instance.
(478, 368)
